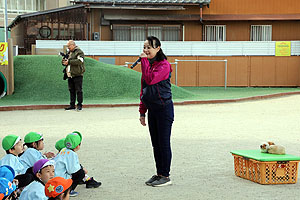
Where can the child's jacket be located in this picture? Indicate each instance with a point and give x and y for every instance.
(14, 162)
(34, 191)
(30, 156)
(66, 163)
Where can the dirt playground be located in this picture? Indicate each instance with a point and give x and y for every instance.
(116, 149)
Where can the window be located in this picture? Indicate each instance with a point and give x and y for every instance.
(215, 33)
(137, 33)
(121, 33)
(155, 31)
(24, 6)
(261, 33)
(171, 33)
(140, 32)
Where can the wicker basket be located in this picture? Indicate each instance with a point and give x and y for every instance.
(274, 172)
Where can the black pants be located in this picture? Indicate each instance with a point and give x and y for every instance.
(160, 125)
(77, 177)
(75, 88)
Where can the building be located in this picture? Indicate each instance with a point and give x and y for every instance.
(181, 20)
(19, 7)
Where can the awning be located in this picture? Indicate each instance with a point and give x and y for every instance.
(45, 12)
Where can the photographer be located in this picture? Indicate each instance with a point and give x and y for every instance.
(74, 70)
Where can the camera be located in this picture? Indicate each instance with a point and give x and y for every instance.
(65, 56)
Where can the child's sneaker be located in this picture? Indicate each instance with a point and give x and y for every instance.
(73, 193)
(92, 183)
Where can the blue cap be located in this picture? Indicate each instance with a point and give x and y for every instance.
(7, 172)
(6, 187)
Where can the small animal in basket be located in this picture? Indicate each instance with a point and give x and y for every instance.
(271, 147)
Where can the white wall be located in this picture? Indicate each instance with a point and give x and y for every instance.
(190, 48)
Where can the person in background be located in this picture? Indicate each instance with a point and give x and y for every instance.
(156, 97)
(75, 69)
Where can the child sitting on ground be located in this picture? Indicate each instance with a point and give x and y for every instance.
(44, 171)
(7, 185)
(6, 188)
(13, 146)
(67, 163)
(58, 188)
(35, 143)
(89, 181)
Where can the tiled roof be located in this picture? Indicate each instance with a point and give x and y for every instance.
(146, 1)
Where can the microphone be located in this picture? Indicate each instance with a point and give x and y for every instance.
(135, 63)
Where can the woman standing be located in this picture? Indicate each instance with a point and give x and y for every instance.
(156, 97)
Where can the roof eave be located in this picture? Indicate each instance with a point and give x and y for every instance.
(20, 17)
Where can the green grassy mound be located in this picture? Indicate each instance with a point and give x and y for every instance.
(39, 80)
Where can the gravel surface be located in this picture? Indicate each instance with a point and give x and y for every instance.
(116, 149)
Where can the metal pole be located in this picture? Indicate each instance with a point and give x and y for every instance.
(175, 73)
(126, 64)
(5, 23)
(225, 74)
(176, 63)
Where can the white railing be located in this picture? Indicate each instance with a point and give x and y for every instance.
(225, 73)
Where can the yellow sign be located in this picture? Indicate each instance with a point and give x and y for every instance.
(283, 48)
(3, 53)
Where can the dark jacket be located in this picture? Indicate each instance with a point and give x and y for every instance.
(76, 62)
(156, 85)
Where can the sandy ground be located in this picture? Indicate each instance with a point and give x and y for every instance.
(116, 149)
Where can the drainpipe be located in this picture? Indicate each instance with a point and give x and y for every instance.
(201, 18)
(183, 32)
(201, 21)
(201, 6)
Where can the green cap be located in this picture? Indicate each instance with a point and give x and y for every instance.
(10, 141)
(60, 144)
(73, 140)
(33, 137)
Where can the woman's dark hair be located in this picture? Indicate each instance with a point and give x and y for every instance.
(154, 42)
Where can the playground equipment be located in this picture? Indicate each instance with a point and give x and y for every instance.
(6, 69)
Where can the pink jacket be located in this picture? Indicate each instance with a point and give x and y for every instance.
(159, 71)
